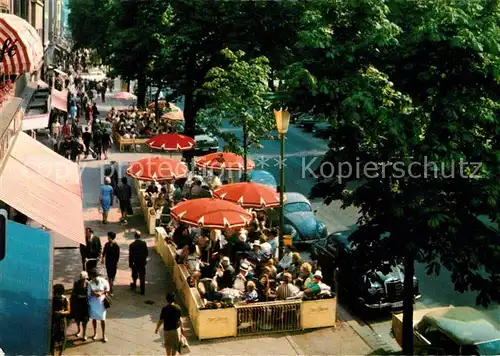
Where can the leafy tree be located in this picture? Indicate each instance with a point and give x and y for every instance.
(406, 84)
(136, 49)
(199, 30)
(237, 93)
(88, 22)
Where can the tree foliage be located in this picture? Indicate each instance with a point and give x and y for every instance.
(412, 92)
(237, 93)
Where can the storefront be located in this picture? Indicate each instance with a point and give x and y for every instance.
(34, 181)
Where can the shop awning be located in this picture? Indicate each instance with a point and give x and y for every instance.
(44, 186)
(22, 44)
(59, 99)
(35, 122)
(42, 84)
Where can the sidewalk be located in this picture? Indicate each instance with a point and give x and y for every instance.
(131, 319)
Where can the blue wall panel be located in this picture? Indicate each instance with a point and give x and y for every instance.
(25, 291)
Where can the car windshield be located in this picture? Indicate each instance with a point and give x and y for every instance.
(488, 348)
(297, 207)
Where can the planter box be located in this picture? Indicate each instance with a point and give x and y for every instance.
(216, 323)
(318, 313)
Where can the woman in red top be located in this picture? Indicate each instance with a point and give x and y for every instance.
(66, 129)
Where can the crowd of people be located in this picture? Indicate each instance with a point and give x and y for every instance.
(243, 265)
(140, 124)
(92, 292)
(66, 135)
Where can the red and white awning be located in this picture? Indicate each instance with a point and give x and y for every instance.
(22, 46)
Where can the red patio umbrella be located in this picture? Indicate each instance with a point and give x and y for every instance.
(173, 115)
(249, 195)
(171, 142)
(224, 160)
(124, 95)
(211, 213)
(157, 169)
(163, 104)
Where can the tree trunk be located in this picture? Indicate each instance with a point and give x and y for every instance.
(408, 291)
(245, 150)
(157, 95)
(141, 91)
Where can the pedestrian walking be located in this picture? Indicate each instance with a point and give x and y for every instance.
(170, 318)
(92, 248)
(60, 310)
(110, 258)
(80, 304)
(137, 259)
(124, 195)
(97, 290)
(106, 199)
(87, 138)
(106, 142)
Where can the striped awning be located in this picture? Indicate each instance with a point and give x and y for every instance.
(23, 48)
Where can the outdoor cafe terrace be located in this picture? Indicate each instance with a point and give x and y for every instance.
(221, 248)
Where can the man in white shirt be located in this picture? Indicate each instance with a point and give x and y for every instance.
(240, 280)
(286, 261)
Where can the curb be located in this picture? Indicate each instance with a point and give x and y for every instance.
(365, 332)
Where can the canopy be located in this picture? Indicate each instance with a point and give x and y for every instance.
(124, 95)
(249, 195)
(43, 186)
(157, 169)
(23, 46)
(173, 116)
(224, 161)
(59, 100)
(42, 84)
(211, 213)
(171, 142)
(35, 122)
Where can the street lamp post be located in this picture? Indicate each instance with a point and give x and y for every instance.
(282, 121)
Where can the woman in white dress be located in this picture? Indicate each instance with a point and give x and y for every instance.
(98, 288)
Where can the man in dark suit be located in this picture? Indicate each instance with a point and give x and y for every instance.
(137, 258)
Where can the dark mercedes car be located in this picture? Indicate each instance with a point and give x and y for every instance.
(373, 289)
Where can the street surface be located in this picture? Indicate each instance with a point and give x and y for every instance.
(131, 319)
(303, 150)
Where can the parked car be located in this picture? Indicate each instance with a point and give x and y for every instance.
(373, 289)
(451, 331)
(262, 177)
(299, 220)
(205, 143)
(322, 129)
(306, 122)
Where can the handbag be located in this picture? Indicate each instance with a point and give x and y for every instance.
(107, 301)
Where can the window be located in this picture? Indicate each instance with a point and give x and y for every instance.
(24, 9)
(438, 339)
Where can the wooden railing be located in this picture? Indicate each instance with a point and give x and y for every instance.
(243, 319)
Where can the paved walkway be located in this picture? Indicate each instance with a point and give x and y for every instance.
(132, 317)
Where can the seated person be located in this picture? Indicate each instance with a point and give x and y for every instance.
(286, 289)
(152, 188)
(267, 285)
(242, 278)
(314, 288)
(208, 290)
(250, 295)
(305, 275)
(193, 264)
(286, 261)
(225, 273)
